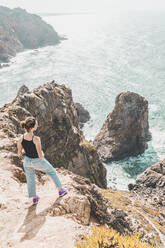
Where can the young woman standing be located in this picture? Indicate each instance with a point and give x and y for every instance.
(34, 159)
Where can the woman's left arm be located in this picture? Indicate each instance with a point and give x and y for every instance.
(19, 147)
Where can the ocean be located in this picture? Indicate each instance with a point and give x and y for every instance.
(102, 55)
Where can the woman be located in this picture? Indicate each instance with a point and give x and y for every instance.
(34, 159)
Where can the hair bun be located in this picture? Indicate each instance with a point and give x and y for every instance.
(28, 123)
(23, 124)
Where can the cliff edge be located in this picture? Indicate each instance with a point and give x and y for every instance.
(63, 142)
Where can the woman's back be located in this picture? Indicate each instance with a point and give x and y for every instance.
(29, 146)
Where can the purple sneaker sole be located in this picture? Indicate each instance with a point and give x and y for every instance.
(35, 200)
(62, 192)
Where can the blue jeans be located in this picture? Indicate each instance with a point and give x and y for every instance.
(41, 164)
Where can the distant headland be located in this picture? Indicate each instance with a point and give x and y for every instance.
(20, 30)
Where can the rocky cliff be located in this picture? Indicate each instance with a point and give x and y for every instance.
(62, 140)
(20, 30)
(126, 130)
(85, 204)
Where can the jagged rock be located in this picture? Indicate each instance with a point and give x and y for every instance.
(77, 206)
(20, 30)
(126, 129)
(151, 184)
(62, 140)
(84, 200)
(102, 211)
(83, 114)
(22, 90)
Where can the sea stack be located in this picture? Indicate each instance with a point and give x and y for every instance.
(126, 130)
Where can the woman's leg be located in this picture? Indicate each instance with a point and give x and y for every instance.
(46, 167)
(31, 183)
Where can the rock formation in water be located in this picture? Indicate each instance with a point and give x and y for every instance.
(83, 114)
(20, 30)
(63, 142)
(151, 184)
(126, 130)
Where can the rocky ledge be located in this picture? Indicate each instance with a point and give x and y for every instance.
(126, 131)
(20, 30)
(71, 216)
(63, 142)
(151, 185)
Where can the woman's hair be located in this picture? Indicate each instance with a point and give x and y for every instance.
(28, 123)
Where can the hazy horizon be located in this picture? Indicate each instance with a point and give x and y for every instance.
(85, 5)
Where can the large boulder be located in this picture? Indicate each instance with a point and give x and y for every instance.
(20, 30)
(126, 130)
(62, 140)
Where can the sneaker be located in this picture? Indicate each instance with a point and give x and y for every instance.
(62, 192)
(36, 199)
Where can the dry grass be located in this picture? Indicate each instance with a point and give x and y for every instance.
(86, 143)
(103, 237)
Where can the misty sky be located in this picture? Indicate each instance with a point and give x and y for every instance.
(84, 5)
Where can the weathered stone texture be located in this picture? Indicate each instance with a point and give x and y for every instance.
(126, 130)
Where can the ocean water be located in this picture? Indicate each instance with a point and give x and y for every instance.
(103, 55)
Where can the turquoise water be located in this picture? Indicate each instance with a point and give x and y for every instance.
(103, 56)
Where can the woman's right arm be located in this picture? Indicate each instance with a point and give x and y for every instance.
(19, 147)
(37, 142)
